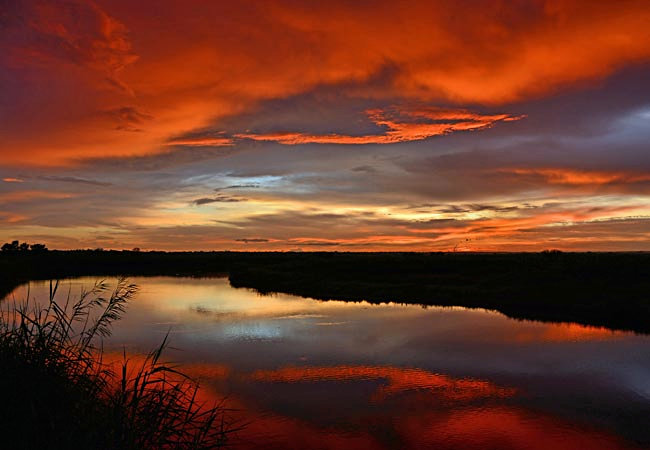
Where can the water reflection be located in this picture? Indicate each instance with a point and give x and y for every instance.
(310, 374)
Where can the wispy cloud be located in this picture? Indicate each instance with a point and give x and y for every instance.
(206, 141)
(217, 199)
(239, 186)
(69, 179)
(402, 124)
(364, 169)
(31, 195)
(566, 176)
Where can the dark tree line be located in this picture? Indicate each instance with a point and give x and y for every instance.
(16, 247)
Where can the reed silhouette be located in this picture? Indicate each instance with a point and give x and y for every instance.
(59, 392)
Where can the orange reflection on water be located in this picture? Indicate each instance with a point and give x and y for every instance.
(459, 414)
(501, 427)
(409, 408)
(566, 332)
(398, 380)
(136, 364)
(357, 396)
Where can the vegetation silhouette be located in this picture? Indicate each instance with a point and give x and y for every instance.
(59, 392)
(15, 246)
(602, 289)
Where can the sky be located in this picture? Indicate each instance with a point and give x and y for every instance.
(335, 125)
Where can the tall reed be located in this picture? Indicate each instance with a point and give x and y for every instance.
(59, 392)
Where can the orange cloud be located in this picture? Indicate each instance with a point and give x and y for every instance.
(202, 142)
(80, 33)
(12, 218)
(580, 177)
(492, 53)
(525, 232)
(216, 60)
(20, 196)
(408, 125)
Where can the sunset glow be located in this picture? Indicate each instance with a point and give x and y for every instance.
(350, 126)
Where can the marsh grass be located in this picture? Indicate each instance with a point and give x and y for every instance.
(57, 391)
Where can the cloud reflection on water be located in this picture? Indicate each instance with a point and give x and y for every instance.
(391, 376)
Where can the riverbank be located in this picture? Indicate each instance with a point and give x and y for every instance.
(601, 289)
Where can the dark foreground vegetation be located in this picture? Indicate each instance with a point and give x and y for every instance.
(58, 391)
(605, 289)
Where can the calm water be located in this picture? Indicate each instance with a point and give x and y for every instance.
(310, 374)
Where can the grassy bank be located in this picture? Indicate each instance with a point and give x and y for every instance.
(58, 390)
(605, 289)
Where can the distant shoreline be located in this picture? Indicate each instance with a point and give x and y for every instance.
(610, 289)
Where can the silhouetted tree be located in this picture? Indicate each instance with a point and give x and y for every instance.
(38, 248)
(16, 246)
(10, 247)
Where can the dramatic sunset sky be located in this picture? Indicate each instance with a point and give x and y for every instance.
(334, 125)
